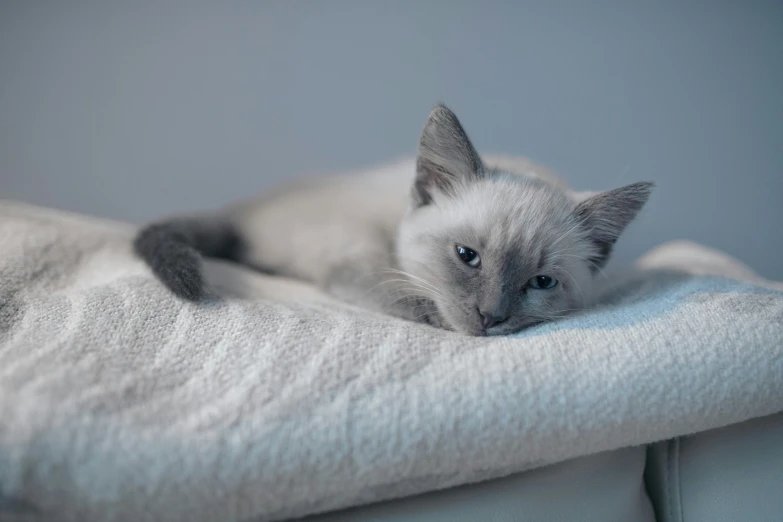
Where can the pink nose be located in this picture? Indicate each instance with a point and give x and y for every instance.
(489, 320)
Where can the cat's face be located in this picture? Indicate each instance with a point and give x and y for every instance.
(495, 251)
(499, 255)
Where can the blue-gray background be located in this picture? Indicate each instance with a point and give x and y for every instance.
(134, 110)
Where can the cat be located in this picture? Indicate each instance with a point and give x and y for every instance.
(480, 246)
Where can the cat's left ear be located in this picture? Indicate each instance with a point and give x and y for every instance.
(445, 157)
(608, 213)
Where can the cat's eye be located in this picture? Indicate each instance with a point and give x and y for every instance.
(542, 282)
(469, 256)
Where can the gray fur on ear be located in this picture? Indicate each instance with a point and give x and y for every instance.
(445, 157)
(608, 213)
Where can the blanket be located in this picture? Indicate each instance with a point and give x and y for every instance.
(119, 402)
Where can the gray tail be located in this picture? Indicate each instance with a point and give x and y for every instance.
(174, 248)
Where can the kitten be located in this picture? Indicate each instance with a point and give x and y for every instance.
(479, 247)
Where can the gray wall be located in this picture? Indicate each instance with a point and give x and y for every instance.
(135, 110)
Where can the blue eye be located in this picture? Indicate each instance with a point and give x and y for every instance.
(542, 282)
(468, 256)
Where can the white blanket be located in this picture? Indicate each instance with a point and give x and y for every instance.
(119, 402)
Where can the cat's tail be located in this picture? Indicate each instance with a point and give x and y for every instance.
(174, 248)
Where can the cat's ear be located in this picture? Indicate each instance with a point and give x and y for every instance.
(445, 157)
(606, 215)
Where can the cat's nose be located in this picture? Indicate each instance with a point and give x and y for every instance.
(488, 319)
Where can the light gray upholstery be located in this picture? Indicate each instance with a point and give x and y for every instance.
(725, 475)
(601, 488)
(729, 474)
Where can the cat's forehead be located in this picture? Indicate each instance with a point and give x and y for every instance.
(509, 211)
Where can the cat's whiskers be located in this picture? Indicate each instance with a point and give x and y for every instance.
(396, 258)
(407, 291)
(404, 299)
(417, 281)
(405, 286)
(420, 316)
(408, 274)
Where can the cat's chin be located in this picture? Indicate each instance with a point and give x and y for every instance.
(437, 319)
(478, 331)
(464, 329)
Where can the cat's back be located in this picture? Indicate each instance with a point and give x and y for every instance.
(307, 227)
(373, 196)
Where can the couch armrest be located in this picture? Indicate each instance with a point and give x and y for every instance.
(606, 487)
(727, 474)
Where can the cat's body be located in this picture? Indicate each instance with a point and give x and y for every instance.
(397, 239)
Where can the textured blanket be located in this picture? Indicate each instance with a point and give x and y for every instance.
(119, 402)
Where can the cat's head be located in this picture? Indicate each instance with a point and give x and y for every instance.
(498, 251)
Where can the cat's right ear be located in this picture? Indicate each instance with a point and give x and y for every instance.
(446, 156)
